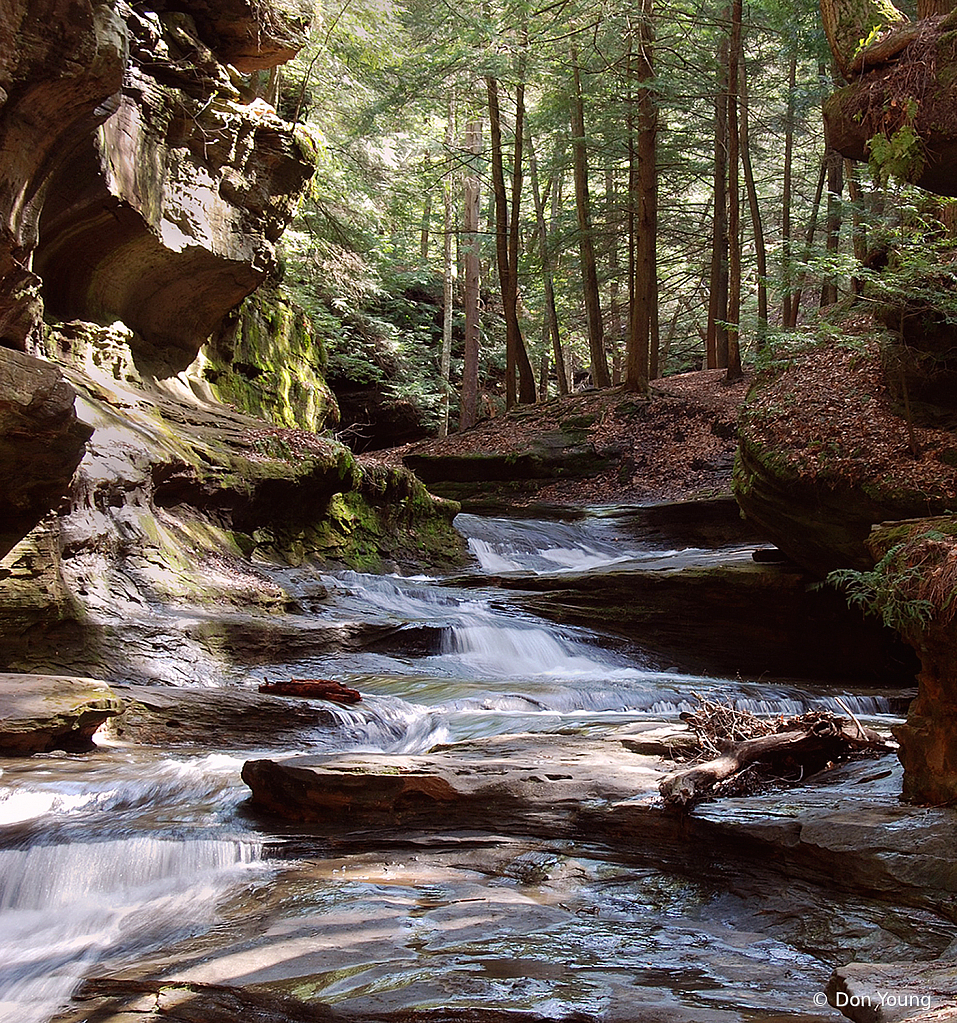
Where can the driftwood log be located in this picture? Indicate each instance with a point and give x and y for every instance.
(800, 747)
(313, 689)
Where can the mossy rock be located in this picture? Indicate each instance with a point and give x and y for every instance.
(268, 361)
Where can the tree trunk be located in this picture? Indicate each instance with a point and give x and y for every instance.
(644, 291)
(848, 22)
(858, 222)
(717, 340)
(526, 377)
(757, 226)
(929, 8)
(734, 201)
(551, 331)
(613, 340)
(507, 275)
(835, 186)
(425, 225)
(596, 340)
(808, 242)
(448, 268)
(470, 222)
(786, 269)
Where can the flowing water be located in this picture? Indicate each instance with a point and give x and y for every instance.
(134, 855)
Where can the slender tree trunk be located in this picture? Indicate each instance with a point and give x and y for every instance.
(469, 407)
(425, 225)
(551, 331)
(508, 278)
(757, 226)
(808, 242)
(526, 377)
(734, 201)
(596, 340)
(835, 186)
(858, 223)
(543, 366)
(639, 363)
(786, 268)
(654, 340)
(717, 338)
(615, 325)
(448, 267)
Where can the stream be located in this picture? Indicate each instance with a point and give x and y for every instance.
(144, 858)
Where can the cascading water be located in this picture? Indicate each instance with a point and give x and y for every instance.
(476, 664)
(105, 858)
(115, 857)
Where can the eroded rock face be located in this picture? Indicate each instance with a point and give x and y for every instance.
(167, 217)
(61, 62)
(166, 561)
(780, 623)
(41, 442)
(825, 453)
(918, 575)
(249, 35)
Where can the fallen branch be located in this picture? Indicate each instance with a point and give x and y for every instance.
(802, 745)
(314, 689)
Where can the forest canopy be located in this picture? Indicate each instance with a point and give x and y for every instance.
(524, 198)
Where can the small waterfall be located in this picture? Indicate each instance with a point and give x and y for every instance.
(111, 857)
(515, 545)
(62, 907)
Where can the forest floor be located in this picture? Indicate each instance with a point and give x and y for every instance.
(678, 443)
(828, 416)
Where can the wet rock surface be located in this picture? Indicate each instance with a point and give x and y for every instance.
(845, 829)
(895, 992)
(777, 621)
(384, 911)
(166, 561)
(39, 713)
(230, 717)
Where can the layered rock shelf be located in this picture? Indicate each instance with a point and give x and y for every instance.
(39, 713)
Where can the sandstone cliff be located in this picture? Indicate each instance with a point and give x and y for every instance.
(143, 188)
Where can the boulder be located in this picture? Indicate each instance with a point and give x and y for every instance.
(909, 98)
(41, 442)
(39, 713)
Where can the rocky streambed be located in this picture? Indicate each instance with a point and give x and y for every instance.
(479, 839)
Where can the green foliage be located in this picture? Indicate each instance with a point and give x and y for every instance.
(920, 279)
(887, 591)
(898, 155)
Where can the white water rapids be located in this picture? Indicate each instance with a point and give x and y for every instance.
(106, 858)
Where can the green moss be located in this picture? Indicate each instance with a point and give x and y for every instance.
(268, 361)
